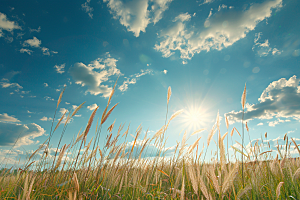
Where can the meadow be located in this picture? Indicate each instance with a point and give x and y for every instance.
(83, 170)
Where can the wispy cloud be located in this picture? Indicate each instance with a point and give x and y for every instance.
(263, 49)
(133, 79)
(219, 31)
(28, 51)
(281, 99)
(6, 118)
(87, 8)
(7, 84)
(95, 74)
(135, 16)
(60, 68)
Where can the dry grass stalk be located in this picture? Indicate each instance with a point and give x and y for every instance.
(182, 190)
(296, 146)
(30, 188)
(237, 132)
(243, 191)
(60, 156)
(108, 102)
(226, 121)
(296, 174)
(214, 179)
(278, 189)
(243, 100)
(78, 138)
(203, 188)
(228, 180)
(159, 132)
(60, 96)
(126, 132)
(177, 113)
(193, 179)
(194, 145)
(247, 127)
(87, 129)
(57, 125)
(231, 134)
(108, 113)
(25, 187)
(41, 146)
(169, 94)
(266, 135)
(265, 152)
(77, 109)
(222, 151)
(197, 131)
(75, 180)
(211, 134)
(110, 128)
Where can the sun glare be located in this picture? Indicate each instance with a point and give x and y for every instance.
(194, 118)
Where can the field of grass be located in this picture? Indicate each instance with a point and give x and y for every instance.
(83, 170)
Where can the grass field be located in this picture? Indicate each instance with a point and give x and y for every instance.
(83, 170)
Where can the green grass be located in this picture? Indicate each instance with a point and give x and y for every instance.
(116, 172)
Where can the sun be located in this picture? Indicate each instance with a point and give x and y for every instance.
(194, 118)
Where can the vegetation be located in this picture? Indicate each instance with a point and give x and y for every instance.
(83, 170)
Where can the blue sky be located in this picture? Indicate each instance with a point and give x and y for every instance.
(205, 50)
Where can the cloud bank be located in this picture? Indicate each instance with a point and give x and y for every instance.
(220, 30)
(281, 100)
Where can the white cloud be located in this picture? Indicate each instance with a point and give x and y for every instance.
(35, 30)
(32, 42)
(60, 68)
(28, 51)
(124, 86)
(46, 119)
(46, 84)
(206, 2)
(165, 71)
(49, 98)
(6, 118)
(7, 25)
(6, 84)
(87, 8)
(263, 49)
(95, 74)
(92, 107)
(219, 31)
(260, 124)
(67, 103)
(135, 16)
(10, 132)
(281, 99)
(133, 79)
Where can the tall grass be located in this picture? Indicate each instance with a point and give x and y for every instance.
(84, 170)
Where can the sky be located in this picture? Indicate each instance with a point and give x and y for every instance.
(205, 50)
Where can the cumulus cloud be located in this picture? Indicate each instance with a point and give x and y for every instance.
(92, 107)
(10, 132)
(60, 68)
(46, 84)
(6, 118)
(263, 49)
(280, 100)
(46, 118)
(95, 74)
(87, 8)
(32, 42)
(7, 25)
(220, 30)
(165, 71)
(135, 16)
(133, 79)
